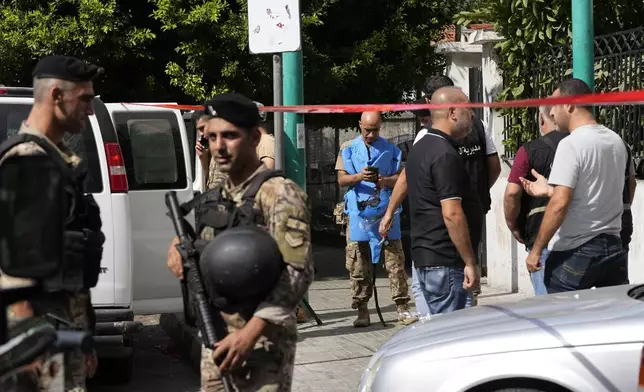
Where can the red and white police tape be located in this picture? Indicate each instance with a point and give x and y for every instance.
(616, 98)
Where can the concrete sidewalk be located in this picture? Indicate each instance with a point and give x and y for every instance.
(330, 357)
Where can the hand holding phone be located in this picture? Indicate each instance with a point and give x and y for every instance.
(204, 141)
(370, 174)
(202, 149)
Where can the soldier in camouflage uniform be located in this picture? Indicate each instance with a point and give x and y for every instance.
(259, 352)
(358, 254)
(265, 152)
(63, 92)
(212, 176)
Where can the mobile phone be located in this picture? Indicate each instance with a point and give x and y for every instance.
(372, 168)
(204, 141)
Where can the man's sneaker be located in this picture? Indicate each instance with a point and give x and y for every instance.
(475, 299)
(405, 317)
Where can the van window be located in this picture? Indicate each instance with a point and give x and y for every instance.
(152, 150)
(82, 144)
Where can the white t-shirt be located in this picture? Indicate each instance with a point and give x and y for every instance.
(592, 161)
(420, 135)
(490, 148)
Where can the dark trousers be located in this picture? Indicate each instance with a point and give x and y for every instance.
(600, 262)
(627, 229)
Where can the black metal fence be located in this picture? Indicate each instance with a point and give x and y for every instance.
(619, 59)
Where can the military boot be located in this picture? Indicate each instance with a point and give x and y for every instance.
(363, 317)
(404, 315)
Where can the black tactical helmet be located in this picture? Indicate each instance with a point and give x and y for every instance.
(241, 264)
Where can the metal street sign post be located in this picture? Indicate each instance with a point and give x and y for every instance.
(274, 28)
(278, 118)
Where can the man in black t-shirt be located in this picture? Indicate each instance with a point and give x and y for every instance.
(482, 163)
(443, 205)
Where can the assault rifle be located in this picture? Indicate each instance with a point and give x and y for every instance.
(210, 324)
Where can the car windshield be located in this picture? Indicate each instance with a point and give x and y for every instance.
(83, 144)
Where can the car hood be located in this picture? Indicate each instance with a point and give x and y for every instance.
(579, 318)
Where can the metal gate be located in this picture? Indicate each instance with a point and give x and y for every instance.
(476, 89)
(476, 95)
(619, 66)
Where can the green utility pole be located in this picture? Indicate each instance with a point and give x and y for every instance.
(294, 140)
(583, 46)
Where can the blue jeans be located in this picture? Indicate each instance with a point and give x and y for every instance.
(537, 277)
(600, 262)
(419, 296)
(442, 288)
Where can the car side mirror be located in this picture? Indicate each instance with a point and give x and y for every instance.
(33, 210)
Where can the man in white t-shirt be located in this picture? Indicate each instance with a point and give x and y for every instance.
(482, 163)
(582, 223)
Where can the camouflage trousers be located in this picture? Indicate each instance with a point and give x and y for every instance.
(268, 368)
(358, 263)
(73, 308)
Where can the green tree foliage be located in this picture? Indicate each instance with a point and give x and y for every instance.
(354, 52)
(118, 35)
(530, 29)
(188, 50)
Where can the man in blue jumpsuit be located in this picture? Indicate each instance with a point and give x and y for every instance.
(369, 166)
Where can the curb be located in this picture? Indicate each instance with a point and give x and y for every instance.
(184, 337)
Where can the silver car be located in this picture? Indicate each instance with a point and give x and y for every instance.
(581, 341)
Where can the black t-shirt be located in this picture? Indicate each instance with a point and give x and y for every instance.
(436, 172)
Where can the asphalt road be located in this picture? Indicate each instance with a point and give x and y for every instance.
(157, 365)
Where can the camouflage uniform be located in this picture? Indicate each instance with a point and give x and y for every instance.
(269, 367)
(359, 265)
(73, 307)
(215, 177)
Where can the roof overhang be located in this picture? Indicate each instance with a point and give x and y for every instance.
(458, 47)
(485, 37)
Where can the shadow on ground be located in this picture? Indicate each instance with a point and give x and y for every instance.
(345, 313)
(345, 330)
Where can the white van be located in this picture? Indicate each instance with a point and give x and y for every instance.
(134, 155)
